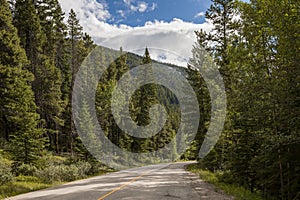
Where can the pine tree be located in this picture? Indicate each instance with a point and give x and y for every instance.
(263, 136)
(18, 119)
(146, 95)
(53, 26)
(87, 130)
(47, 78)
(143, 99)
(273, 67)
(217, 43)
(146, 57)
(29, 31)
(55, 46)
(199, 86)
(221, 13)
(75, 34)
(74, 41)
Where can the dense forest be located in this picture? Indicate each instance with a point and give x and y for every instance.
(258, 56)
(256, 45)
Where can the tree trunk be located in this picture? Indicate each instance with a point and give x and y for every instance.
(281, 175)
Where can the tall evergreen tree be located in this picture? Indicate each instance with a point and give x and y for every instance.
(75, 34)
(47, 82)
(74, 41)
(275, 70)
(263, 136)
(18, 119)
(143, 99)
(222, 13)
(199, 86)
(147, 95)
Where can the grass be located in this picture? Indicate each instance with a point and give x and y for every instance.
(238, 192)
(23, 184)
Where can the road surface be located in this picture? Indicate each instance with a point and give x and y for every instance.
(157, 182)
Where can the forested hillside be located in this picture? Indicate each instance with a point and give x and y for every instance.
(41, 53)
(256, 46)
(39, 57)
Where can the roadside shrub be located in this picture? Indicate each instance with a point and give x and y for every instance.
(5, 172)
(48, 159)
(27, 179)
(226, 177)
(70, 161)
(64, 173)
(83, 169)
(69, 173)
(98, 168)
(49, 175)
(26, 170)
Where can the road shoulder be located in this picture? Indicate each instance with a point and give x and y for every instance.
(206, 190)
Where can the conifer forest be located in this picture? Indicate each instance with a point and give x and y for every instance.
(255, 44)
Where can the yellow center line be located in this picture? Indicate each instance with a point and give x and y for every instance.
(122, 186)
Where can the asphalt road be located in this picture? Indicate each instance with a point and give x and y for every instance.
(157, 182)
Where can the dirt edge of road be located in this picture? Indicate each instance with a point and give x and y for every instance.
(204, 189)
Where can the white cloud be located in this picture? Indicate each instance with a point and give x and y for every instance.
(161, 37)
(128, 2)
(200, 14)
(121, 12)
(142, 6)
(86, 9)
(153, 7)
(139, 6)
(165, 38)
(133, 8)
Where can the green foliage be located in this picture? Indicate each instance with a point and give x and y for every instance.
(98, 168)
(83, 169)
(64, 173)
(75, 34)
(146, 58)
(146, 96)
(53, 175)
(205, 175)
(226, 177)
(260, 139)
(79, 46)
(19, 120)
(197, 82)
(217, 41)
(24, 169)
(75, 29)
(47, 77)
(22, 184)
(5, 171)
(86, 127)
(259, 61)
(217, 179)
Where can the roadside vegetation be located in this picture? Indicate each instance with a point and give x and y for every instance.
(49, 171)
(256, 47)
(223, 183)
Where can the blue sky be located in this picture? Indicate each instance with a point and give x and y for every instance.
(165, 25)
(136, 13)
